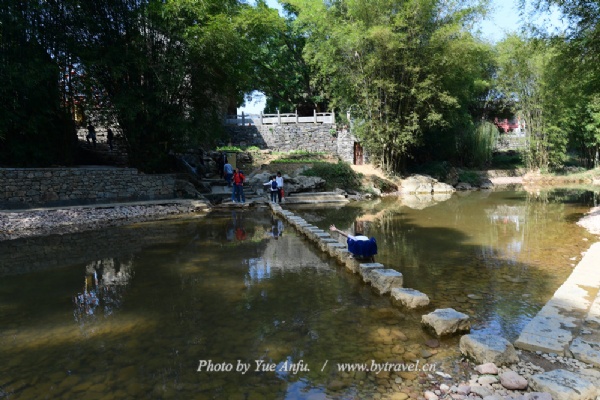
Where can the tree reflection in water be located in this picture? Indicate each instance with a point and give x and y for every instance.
(104, 287)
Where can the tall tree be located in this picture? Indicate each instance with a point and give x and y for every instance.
(35, 128)
(385, 61)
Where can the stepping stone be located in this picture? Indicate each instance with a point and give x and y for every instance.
(367, 268)
(383, 280)
(488, 349)
(409, 298)
(333, 247)
(324, 244)
(446, 321)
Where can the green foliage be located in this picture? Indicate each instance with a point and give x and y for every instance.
(507, 160)
(230, 148)
(397, 66)
(477, 144)
(436, 169)
(339, 175)
(525, 73)
(35, 128)
(470, 177)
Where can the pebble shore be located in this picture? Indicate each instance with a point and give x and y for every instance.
(30, 223)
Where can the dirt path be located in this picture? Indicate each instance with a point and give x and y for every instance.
(506, 180)
(369, 169)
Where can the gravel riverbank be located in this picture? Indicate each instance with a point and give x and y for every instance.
(41, 222)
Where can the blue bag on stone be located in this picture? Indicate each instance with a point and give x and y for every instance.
(362, 248)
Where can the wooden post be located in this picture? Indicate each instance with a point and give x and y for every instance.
(261, 118)
(243, 119)
(278, 117)
(315, 114)
(333, 116)
(296, 116)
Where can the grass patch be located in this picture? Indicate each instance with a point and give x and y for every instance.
(339, 175)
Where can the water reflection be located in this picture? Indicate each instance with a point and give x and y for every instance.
(104, 288)
(199, 293)
(492, 255)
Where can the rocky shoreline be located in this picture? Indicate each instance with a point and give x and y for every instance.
(42, 222)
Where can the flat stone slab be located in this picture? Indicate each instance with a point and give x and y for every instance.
(586, 351)
(564, 385)
(384, 280)
(446, 321)
(559, 321)
(367, 268)
(488, 349)
(332, 248)
(409, 298)
(323, 235)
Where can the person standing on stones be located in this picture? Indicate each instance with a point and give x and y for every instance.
(237, 195)
(110, 137)
(228, 172)
(279, 180)
(91, 134)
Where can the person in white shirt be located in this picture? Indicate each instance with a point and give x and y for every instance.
(279, 180)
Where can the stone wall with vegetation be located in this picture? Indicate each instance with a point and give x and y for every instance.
(309, 137)
(30, 187)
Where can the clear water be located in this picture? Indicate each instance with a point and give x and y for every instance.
(134, 312)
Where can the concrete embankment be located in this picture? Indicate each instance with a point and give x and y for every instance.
(569, 324)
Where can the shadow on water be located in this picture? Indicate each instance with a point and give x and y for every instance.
(132, 312)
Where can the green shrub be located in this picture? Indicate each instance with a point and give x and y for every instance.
(230, 148)
(507, 160)
(470, 177)
(339, 175)
(477, 144)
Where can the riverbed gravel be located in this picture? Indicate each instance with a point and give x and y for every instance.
(591, 221)
(41, 222)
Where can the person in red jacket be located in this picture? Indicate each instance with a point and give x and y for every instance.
(237, 195)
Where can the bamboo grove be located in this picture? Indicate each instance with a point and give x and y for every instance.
(413, 79)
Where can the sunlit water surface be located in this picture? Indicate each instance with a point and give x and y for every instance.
(135, 312)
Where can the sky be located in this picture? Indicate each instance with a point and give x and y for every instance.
(504, 18)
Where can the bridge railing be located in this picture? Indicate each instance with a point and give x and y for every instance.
(280, 119)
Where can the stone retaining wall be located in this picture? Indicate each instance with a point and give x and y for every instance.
(310, 137)
(31, 187)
